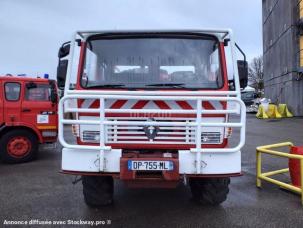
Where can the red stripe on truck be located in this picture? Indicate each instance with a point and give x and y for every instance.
(118, 104)
(207, 105)
(140, 105)
(184, 105)
(161, 104)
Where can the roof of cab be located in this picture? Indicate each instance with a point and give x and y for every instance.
(219, 33)
(22, 78)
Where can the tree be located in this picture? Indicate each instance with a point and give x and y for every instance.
(256, 73)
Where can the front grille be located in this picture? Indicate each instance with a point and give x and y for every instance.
(165, 134)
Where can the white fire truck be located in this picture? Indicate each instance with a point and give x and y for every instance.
(152, 108)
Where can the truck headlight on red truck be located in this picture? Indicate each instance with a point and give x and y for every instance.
(90, 136)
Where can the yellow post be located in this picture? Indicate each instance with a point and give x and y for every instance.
(269, 149)
(259, 183)
(301, 172)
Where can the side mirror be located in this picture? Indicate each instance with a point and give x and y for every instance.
(61, 73)
(64, 50)
(54, 97)
(243, 73)
(63, 63)
(54, 94)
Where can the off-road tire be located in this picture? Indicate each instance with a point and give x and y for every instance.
(98, 190)
(30, 155)
(209, 191)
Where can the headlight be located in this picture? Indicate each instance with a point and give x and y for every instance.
(211, 137)
(90, 136)
(75, 130)
(228, 132)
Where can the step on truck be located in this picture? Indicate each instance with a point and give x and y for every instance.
(153, 109)
(28, 116)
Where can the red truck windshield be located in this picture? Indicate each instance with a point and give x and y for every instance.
(143, 62)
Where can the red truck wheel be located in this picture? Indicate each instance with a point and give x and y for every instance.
(209, 191)
(18, 146)
(98, 190)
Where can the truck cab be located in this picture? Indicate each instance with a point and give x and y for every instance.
(28, 116)
(153, 109)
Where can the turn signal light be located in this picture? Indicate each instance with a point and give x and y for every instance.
(228, 132)
(76, 130)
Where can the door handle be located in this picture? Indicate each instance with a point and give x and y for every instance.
(26, 110)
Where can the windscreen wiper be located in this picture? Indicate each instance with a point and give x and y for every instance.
(107, 86)
(174, 85)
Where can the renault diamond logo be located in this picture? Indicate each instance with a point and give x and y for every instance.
(151, 131)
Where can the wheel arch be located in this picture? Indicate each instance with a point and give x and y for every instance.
(5, 129)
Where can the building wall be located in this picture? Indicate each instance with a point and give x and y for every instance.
(281, 53)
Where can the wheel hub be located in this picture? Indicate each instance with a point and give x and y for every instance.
(19, 146)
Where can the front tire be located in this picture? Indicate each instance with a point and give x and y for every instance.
(98, 190)
(209, 191)
(18, 146)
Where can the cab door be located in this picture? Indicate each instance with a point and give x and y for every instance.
(37, 107)
(12, 93)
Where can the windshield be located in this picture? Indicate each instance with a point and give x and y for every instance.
(152, 62)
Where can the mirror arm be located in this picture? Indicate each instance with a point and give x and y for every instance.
(226, 41)
(242, 52)
(78, 42)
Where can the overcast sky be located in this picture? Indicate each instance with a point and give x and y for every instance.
(31, 31)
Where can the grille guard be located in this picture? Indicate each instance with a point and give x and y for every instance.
(198, 97)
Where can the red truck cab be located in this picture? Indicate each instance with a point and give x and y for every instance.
(28, 116)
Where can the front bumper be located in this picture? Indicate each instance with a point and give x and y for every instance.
(88, 161)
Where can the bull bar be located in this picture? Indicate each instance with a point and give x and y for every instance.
(198, 97)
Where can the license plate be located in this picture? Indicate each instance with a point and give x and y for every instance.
(150, 165)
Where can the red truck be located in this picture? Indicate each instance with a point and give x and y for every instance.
(28, 116)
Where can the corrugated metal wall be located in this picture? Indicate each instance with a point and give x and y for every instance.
(281, 53)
